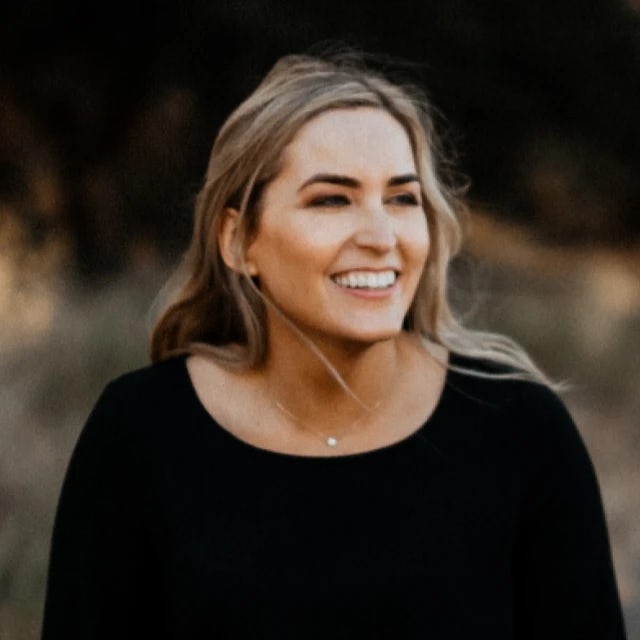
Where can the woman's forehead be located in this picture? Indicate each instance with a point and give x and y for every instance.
(359, 140)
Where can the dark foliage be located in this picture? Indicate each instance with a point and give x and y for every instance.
(108, 111)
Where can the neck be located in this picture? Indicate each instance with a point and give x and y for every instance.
(297, 378)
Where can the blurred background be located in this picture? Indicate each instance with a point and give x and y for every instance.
(107, 115)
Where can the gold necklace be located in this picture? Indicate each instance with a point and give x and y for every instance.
(330, 441)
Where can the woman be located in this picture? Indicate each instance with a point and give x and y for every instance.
(319, 449)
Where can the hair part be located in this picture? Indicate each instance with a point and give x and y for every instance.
(218, 310)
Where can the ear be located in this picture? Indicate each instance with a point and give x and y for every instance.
(230, 250)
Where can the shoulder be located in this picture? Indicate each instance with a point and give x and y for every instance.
(135, 411)
(527, 420)
(137, 388)
(150, 377)
(138, 400)
(533, 411)
(497, 382)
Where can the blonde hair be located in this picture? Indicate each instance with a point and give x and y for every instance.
(221, 311)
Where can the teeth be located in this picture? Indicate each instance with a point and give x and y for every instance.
(368, 280)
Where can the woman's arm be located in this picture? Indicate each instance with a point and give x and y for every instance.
(565, 582)
(98, 565)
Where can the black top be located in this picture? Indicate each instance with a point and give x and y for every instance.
(486, 522)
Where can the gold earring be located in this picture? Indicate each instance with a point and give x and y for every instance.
(250, 267)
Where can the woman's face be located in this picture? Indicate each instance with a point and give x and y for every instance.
(342, 238)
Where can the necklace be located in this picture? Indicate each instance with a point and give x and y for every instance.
(330, 441)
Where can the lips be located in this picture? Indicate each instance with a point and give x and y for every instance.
(368, 280)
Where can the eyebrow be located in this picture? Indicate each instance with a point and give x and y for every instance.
(346, 181)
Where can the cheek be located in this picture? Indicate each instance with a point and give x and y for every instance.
(294, 246)
(307, 240)
(286, 253)
(418, 241)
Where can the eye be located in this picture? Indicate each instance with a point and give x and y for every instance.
(404, 199)
(334, 200)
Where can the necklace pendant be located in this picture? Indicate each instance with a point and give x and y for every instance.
(331, 441)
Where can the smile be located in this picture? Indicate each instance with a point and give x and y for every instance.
(366, 279)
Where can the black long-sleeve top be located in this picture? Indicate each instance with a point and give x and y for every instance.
(487, 522)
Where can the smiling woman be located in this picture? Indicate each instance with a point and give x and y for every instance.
(319, 449)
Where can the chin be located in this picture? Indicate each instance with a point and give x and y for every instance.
(371, 336)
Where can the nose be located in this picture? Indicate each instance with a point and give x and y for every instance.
(376, 230)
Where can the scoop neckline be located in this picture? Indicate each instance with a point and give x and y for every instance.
(274, 454)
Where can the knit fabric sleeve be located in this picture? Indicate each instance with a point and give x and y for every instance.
(98, 561)
(565, 585)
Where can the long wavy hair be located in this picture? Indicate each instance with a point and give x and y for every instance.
(214, 309)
